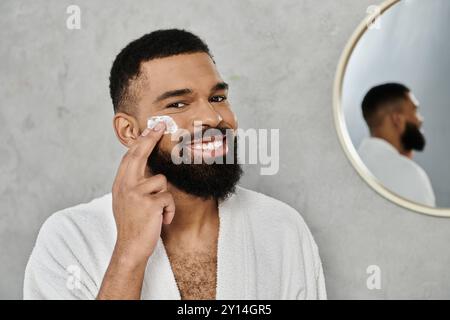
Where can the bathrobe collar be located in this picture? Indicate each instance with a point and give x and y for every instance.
(233, 278)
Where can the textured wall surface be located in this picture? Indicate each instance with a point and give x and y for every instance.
(58, 148)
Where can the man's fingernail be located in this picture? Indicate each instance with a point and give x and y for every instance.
(145, 132)
(159, 126)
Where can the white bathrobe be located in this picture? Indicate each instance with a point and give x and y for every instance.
(265, 251)
(396, 172)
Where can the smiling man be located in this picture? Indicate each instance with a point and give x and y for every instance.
(167, 230)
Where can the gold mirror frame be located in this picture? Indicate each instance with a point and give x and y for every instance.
(341, 126)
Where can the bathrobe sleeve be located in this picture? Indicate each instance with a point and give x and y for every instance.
(314, 288)
(317, 289)
(53, 270)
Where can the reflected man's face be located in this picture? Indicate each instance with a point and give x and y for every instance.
(411, 135)
(411, 110)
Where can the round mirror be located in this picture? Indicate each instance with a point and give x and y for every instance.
(392, 103)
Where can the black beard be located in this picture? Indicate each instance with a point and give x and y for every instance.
(412, 138)
(216, 180)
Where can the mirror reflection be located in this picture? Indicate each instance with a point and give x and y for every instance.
(396, 101)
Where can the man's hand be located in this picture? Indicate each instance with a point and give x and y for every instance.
(140, 205)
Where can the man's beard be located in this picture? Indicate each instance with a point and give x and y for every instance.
(412, 138)
(216, 180)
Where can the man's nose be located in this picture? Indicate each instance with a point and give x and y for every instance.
(420, 118)
(207, 114)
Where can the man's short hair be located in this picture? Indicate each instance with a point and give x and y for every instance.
(381, 97)
(124, 80)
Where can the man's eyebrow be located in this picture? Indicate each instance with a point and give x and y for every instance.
(172, 93)
(220, 86)
(182, 92)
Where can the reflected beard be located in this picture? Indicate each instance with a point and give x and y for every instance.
(412, 138)
(208, 181)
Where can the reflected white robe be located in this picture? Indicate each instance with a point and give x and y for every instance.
(396, 172)
(265, 251)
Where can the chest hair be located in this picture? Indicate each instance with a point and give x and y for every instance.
(195, 273)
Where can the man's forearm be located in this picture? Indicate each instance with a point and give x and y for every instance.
(123, 278)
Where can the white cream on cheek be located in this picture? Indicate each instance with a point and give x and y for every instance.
(171, 126)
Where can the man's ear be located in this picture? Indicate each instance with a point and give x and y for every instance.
(126, 128)
(398, 120)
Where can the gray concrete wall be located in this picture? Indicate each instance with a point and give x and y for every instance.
(58, 148)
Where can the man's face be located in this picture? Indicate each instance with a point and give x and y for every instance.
(189, 89)
(411, 136)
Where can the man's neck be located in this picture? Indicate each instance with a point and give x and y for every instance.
(394, 141)
(195, 218)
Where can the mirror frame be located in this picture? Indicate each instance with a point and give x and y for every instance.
(341, 126)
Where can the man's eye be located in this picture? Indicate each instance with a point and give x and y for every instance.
(218, 98)
(176, 105)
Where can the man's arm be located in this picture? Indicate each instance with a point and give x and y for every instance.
(123, 278)
(57, 269)
(140, 205)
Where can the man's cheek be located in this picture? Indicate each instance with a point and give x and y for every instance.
(230, 118)
(165, 144)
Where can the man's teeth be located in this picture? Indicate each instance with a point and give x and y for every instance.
(208, 145)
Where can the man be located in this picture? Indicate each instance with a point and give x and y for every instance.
(391, 113)
(174, 231)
